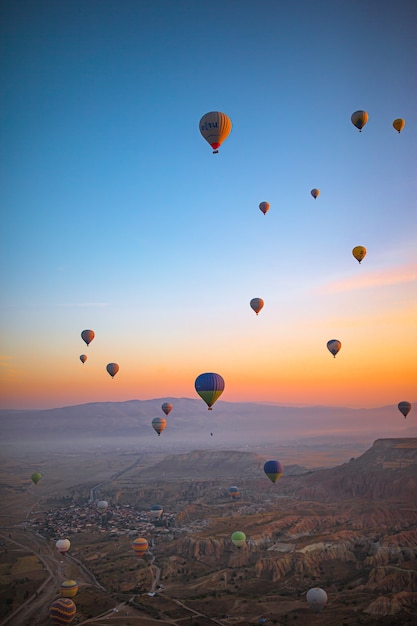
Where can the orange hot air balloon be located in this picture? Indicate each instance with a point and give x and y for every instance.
(167, 408)
(315, 193)
(215, 127)
(83, 358)
(140, 546)
(398, 124)
(88, 336)
(112, 369)
(264, 207)
(359, 252)
(359, 119)
(159, 424)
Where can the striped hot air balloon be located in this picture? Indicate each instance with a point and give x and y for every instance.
(140, 546)
(68, 589)
(62, 611)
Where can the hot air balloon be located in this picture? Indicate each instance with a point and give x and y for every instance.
(359, 119)
(334, 346)
(404, 407)
(317, 599)
(36, 476)
(88, 336)
(140, 546)
(273, 469)
(62, 611)
(234, 492)
(398, 124)
(215, 128)
(63, 545)
(209, 387)
(159, 424)
(238, 538)
(315, 193)
(157, 511)
(102, 506)
(167, 408)
(264, 206)
(359, 253)
(68, 589)
(257, 304)
(83, 358)
(112, 369)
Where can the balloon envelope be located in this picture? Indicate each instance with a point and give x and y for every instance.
(62, 611)
(238, 538)
(209, 387)
(167, 408)
(257, 304)
(234, 492)
(68, 589)
(102, 506)
(157, 510)
(398, 124)
(334, 346)
(359, 253)
(273, 469)
(36, 476)
(159, 424)
(140, 546)
(83, 358)
(359, 119)
(215, 127)
(315, 193)
(264, 206)
(87, 336)
(112, 369)
(63, 545)
(317, 599)
(404, 407)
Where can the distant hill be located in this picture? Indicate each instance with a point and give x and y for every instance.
(231, 423)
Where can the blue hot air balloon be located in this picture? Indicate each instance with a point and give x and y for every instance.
(273, 469)
(209, 387)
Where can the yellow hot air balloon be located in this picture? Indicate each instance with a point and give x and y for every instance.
(112, 369)
(140, 546)
(398, 124)
(68, 589)
(62, 611)
(215, 128)
(257, 304)
(315, 193)
(359, 253)
(359, 119)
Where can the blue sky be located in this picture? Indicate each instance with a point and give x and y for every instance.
(117, 217)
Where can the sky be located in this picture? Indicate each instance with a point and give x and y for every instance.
(117, 217)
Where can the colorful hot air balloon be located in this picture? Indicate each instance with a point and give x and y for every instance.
(68, 589)
(238, 538)
(63, 545)
(359, 252)
(359, 119)
(315, 193)
(88, 336)
(264, 206)
(234, 492)
(334, 346)
(257, 304)
(140, 546)
(112, 369)
(404, 407)
(215, 128)
(36, 476)
(102, 506)
(159, 424)
(209, 387)
(273, 469)
(398, 124)
(62, 611)
(167, 408)
(317, 599)
(83, 358)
